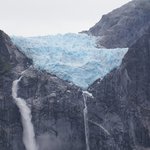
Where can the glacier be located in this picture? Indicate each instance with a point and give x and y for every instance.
(72, 57)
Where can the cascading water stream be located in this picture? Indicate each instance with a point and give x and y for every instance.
(86, 94)
(28, 129)
(100, 126)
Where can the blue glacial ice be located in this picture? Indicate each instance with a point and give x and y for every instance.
(72, 57)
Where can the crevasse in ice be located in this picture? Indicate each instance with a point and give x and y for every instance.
(72, 57)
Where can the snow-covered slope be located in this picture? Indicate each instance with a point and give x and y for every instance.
(72, 57)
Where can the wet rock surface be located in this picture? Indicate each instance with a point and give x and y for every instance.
(56, 105)
(118, 115)
(57, 110)
(12, 62)
(122, 103)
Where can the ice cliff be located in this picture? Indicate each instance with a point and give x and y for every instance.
(72, 57)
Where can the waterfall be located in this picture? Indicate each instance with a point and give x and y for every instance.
(86, 94)
(28, 130)
(100, 126)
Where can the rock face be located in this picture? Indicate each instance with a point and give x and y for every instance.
(57, 110)
(12, 62)
(119, 116)
(123, 26)
(56, 105)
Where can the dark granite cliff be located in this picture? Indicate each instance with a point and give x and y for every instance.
(12, 62)
(119, 114)
(122, 103)
(57, 106)
(123, 26)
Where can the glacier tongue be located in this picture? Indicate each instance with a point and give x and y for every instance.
(72, 57)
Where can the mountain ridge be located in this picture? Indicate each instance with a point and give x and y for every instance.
(123, 26)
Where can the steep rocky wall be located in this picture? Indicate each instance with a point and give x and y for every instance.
(12, 62)
(56, 105)
(57, 109)
(119, 114)
(122, 103)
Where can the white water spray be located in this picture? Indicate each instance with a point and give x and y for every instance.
(86, 94)
(28, 130)
(100, 126)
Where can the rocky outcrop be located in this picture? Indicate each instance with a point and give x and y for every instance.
(12, 62)
(119, 115)
(56, 105)
(123, 26)
(57, 109)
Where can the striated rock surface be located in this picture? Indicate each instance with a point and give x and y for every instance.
(12, 62)
(119, 115)
(57, 109)
(56, 105)
(123, 26)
